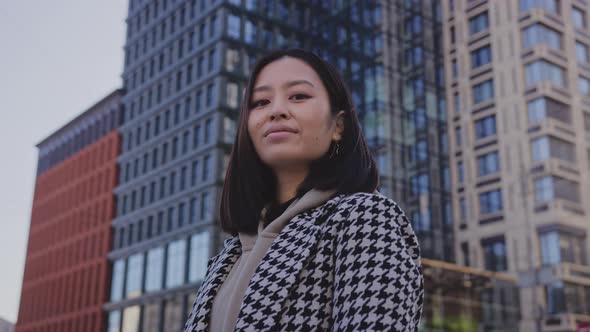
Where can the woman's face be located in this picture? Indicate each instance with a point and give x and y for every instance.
(290, 122)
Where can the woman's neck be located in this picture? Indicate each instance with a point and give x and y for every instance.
(287, 183)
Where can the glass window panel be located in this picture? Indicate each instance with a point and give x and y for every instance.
(151, 317)
(584, 86)
(581, 52)
(176, 259)
(541, 70)
(117, 280)
(173, 314)
(579, 18)
(199, 256)
(541, 34)
(131, 319)
(495, 255)
(154, 269)
(490, 202)
(114, 321)
(551, 6)
(483, 91)
(478, 23)
(134, 275)
(233, 26)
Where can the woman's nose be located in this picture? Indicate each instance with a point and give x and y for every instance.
(278, 110)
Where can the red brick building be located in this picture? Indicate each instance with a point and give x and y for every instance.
(67, 274)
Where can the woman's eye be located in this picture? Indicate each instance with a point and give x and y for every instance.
(259, 103)
(300, 96)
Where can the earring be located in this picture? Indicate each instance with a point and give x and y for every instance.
(335, 151)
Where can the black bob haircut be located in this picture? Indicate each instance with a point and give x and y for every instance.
(249, 184)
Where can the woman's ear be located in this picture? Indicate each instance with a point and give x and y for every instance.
(339, 130)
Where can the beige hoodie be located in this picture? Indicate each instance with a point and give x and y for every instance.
(227, 302)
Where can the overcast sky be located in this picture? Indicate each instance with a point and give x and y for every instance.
(57, 58)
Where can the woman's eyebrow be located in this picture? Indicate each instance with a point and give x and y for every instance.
(286, 85)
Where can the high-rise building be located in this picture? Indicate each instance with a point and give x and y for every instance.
(186, 64)
(6, 326)
(518, 86)
(67, 273)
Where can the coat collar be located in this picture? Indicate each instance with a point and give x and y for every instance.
(275, 288)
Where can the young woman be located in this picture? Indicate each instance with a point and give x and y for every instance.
(315, 246)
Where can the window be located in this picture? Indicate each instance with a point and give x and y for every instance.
(151, 313)
(581, 52)
(419, 184)
(481, 56)
(542, 108)
(198, 99)
(206, 167)
(494, 252)
(131, 319)
(457, 102)
(173, 315)
(545, 147)
(483, 91)
(485, 127)
(211, 60)
(548, 188)
(232, 95)
(478, 23)
(584, 85)
(201, 33)
(114, 321)
(206, 206)
(233, 26)
(209, 97)
(232, 59)
(488, 163)
(460, 172)
(154, 269)
(540, 34)
(551, 6)
(462, 210)
(542, 70)
(490, 201)
(117, 280)
(134, 275)
(250, 32)
(199, 256)
(195, 173)
(208, 124)
(458, 136)
(560, 246)
(175, 267)
(192, 218)
(212, 25)
(578, 18)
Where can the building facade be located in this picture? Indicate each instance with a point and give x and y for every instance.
(67, 274)
(186, 64)
(518, 91)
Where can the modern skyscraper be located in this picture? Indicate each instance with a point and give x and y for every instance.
(519, 93)
(186, 64)
(67, 273)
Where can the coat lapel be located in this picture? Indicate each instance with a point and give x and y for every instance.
(279, 269)
(219, 271)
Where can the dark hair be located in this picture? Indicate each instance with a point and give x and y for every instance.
(250, 184)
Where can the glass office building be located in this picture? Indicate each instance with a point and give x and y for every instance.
(186, 64)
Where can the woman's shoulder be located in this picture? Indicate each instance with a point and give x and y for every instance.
(374, 202)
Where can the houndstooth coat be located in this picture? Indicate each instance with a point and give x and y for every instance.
(351, 264)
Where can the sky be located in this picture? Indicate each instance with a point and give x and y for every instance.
(57, 58)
